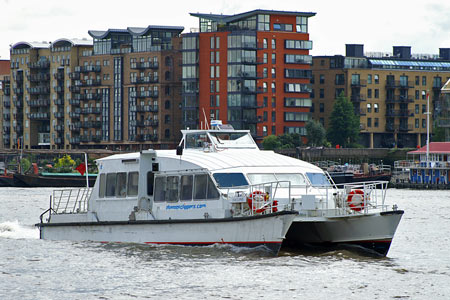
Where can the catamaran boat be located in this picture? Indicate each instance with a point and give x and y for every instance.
(218, 187)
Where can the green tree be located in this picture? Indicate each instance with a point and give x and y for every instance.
(438, 134)
(315, 133)
(271, 142)
(344, 124)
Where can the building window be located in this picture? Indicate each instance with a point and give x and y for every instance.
(322, 79)
(167, 104)
(167, 119)
(217, 100)
(265, 87)
(301, 24)
(167, 133)
(424, 123)
(274, 118)
(369, 79)
(369, 108)
(424, 95)
(321, 93)
(273, 87)
(376, 122)
(369, 122)
(375, 107)
(424, 108)
(274, 102)
(265, 73)
(369, 93)
(417, 80)
(417, 109)
(274, 59)
(265, 57)
(217, 42)
(264, 22)
(265, 100)
(265, 116)
(377, 94)
(376, 79)
(212, 42)
(416, 123)
(321, 107)
(265, 44)
(264, 130)
(417, 95)
(274, 75)
(424, 80)
(274, 44)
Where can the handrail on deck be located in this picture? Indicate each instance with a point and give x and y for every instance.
(69, 201)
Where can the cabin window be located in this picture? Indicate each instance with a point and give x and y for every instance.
(133, 183)
(121, 184)
(102, 189)
(172, 188)
(200, 187)
(150, 179)
(187, 182)
(196, 140)
(110, 184)
(213, 193)
(261, 178)
(318, 179)
(225, 180)
(160, 189)
(295, 179)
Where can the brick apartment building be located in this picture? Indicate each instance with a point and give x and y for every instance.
(251, 70)
(121, 91)
(388, 91)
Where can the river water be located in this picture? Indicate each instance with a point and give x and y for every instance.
(417, 266)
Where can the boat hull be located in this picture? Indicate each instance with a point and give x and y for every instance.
(262, 230)
(32, 180)
(371, 232)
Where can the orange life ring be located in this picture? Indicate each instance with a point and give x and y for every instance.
(262, 197)
(355, 200)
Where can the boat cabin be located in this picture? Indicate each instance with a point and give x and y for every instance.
(434, 171)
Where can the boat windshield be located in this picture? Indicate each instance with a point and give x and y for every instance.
(227, 139)
(295, 178)
(318, 179)
(225, 180)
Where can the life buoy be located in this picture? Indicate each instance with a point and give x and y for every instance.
(355, 200)
(260, 197)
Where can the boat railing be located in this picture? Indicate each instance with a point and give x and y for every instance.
(258, 198)
(70, 201)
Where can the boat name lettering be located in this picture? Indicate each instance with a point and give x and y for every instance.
(185, 206)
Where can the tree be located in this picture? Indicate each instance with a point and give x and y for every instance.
(344, 124)
(315, 133)
(271, 142)
(290, 140)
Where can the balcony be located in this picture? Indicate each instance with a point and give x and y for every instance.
(74, 102)
(251, 60)
(18, 78)
(58, 101)
(39, 90)
(399, 99)
(144, 65)
(89, 82)
(7, 91)
(74, 75)
(39, 116)
(38, 77)
(42, 64)
(91, 124)
(75, 126)
(358, 83)
(144, 108)
(58, 88)
(90, 138)
(18, 91)
(59, 140)
(89, 96)
(87, 69)
(91, 110)
(74, 89)
(358, 98)
(74, 140)
(38, 103)
(398, 84)
(145, 79)
(74, 114)
(145, 94)
(58, 114)
(6, 117)
(59, 128)
(6, 103)
(144, 123)
(399, 113)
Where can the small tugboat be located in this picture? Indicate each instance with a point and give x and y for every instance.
(218, 187)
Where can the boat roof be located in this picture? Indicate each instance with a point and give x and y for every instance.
(435, 148)
(227, 159)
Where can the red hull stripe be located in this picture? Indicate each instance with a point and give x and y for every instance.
(212, 243)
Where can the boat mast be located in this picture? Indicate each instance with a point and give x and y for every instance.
(87, 172)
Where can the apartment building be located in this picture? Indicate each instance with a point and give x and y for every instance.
(388, 92)
(5, 92)
(250, 70)
(120, 91)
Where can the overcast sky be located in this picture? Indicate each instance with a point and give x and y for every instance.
(424, 25)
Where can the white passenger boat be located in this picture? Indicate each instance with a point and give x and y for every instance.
(218, 187)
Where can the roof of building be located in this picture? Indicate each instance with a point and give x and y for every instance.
(136, 31)
(74, 42)
(30, 45)
(410, 63)
(232, 18)
(434, 148)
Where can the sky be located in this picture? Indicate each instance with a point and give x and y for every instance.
(379, 25)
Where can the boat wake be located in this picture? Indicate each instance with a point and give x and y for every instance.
(14, 230)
